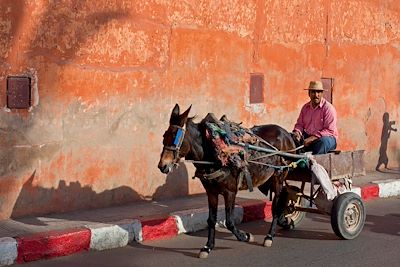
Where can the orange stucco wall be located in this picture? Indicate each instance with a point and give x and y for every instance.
(106, 75)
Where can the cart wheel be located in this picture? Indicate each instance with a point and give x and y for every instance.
(292, 218)
(348, 216)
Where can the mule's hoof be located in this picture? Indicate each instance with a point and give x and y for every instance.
(203, 254)
(250, 237)
(267, 243)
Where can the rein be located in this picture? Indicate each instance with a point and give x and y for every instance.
(200, 162)
(282, 167)
(277, 153)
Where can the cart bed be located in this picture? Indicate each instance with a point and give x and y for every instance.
(343, 164)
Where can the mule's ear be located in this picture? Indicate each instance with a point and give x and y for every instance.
(186, 113)
(184, 116)
(175, 110)
(174, 114)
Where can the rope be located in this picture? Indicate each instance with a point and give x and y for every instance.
(262, 140)
(270, 145)
(295, 149)
(276, 153)
(200, 162)
(282, 167)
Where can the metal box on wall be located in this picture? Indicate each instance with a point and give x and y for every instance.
(18, 92)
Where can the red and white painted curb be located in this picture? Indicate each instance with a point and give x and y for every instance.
(379, 189)
(8, 251)
(107, 236)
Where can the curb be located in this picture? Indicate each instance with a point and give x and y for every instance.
(52, 244)
(101, 237)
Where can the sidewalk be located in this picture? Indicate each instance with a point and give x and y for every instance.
(28, 239)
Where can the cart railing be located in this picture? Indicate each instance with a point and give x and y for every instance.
(340, 164)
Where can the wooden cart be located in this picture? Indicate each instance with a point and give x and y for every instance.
(346, 210)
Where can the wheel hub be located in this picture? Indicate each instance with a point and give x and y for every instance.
(352, 217)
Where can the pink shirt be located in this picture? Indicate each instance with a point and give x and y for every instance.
(318, 121)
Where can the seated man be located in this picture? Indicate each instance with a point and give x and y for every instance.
(316, 124)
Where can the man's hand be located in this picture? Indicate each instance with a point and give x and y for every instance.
(309, 140)
(296, 136)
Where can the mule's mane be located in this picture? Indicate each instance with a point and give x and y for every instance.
(200, 148)
(197, 128)
(210, 117)
(193, 127)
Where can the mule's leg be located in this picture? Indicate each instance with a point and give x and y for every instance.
(229, 198)
(212, 220)
(278, 208)
(265, 187)
(283, 201)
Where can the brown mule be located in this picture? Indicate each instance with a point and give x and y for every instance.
(186, 139)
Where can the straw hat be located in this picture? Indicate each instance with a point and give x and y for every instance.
(315, 86)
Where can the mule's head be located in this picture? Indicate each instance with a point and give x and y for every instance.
(173, 139)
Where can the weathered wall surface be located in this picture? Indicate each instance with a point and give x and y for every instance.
(106, 75)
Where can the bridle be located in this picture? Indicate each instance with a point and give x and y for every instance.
(178, 140)
(177, 144)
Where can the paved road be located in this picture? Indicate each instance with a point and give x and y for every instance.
(313, 243)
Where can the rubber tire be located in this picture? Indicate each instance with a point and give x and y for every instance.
(296, 217)
(343, 204)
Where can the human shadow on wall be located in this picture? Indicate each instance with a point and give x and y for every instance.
(35, 200)
(176, 184)
(387, 128)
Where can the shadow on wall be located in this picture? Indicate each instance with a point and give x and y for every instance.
(80, 33)
(35, 200)
(383, 157)
(12, 161)
(176, 184)
(15, 26)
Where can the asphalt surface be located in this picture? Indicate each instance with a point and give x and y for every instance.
(143, 209)
(313, 243)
